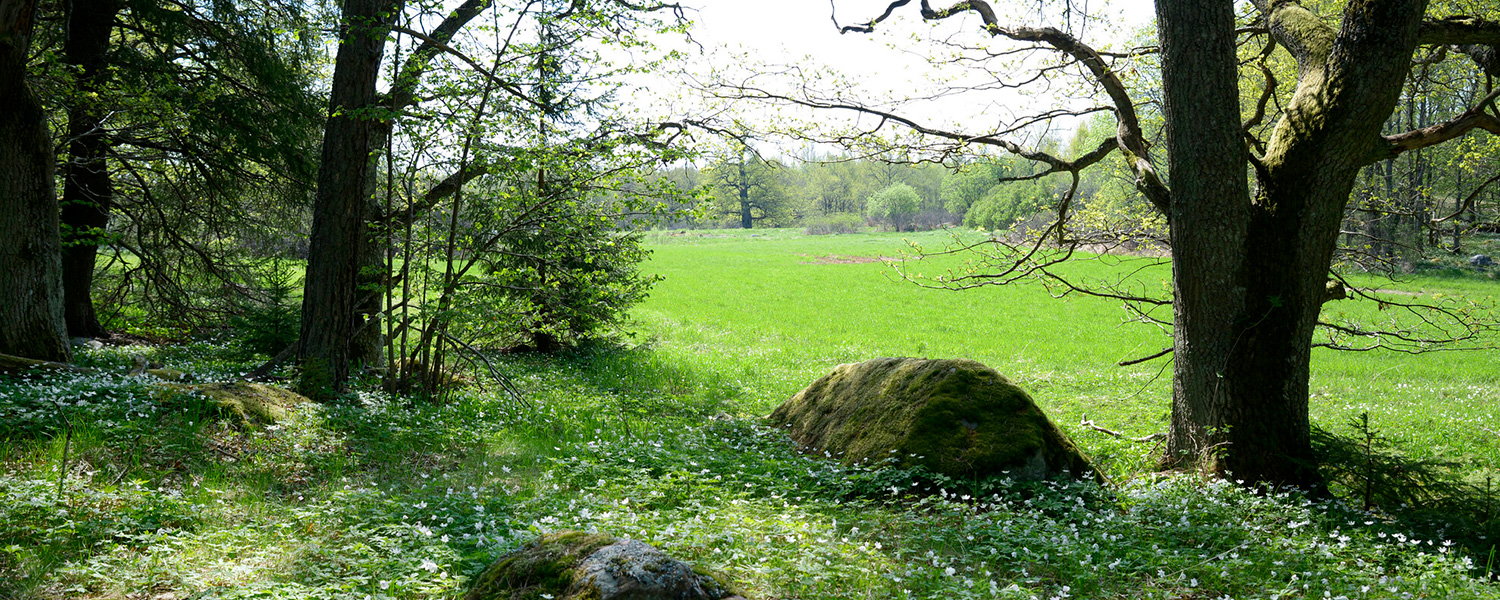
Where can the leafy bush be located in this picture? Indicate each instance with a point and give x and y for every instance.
(896, 203)
(1005, 205)
(563, 284)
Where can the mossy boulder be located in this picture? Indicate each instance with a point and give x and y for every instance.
(574, 565)
(248, 403)
(954, 416)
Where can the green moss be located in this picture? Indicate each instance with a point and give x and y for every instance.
(249, 403)
(168, 374)
(545, 567)
(1302, 27)
(956, 417)
(720, 583)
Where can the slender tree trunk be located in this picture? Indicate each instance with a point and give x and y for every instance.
(31, 310)
(1386, 231)
(87, 190)
(1414, 199)
(1458, 220)
(746, 219)
(368, 345)
(329, 316)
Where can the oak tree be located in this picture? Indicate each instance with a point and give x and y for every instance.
(1254, 203)
(748, 187)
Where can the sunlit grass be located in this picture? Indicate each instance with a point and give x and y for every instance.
(659, 440)
(767, 311)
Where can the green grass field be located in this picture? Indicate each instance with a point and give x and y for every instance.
(659, 439)
(774, 311)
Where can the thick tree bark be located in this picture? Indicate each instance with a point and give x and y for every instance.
(1210, 200)
(329, 318)
(1246, 409)
(87, 190)
(31, 308)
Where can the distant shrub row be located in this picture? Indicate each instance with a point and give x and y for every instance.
(834, 223)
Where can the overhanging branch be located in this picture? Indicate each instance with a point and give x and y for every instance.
(1474, 118)
(508, 87)
(1129, 136)
(1455, 31)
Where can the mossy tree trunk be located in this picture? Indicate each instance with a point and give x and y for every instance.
(1250, 276)
(31, 298)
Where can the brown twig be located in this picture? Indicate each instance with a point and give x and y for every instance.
(1096, 427)
(1136, 361)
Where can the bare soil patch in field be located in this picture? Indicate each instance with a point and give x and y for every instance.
(835, 259)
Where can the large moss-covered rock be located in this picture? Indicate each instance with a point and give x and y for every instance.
(591, 566)
(956, 417)
(247, 402)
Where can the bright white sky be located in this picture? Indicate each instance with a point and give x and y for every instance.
(797, 28)
(800, 32)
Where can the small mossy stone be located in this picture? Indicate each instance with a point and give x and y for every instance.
(247, 402)
(590, 566)
(956, 417)
(167, 374)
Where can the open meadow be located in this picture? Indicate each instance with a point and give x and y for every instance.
(774, 310)
(658, 438)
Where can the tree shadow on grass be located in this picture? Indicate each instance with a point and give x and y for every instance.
(1428, 499)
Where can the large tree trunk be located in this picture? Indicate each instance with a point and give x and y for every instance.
(87, 191)
(1241, 407)
(31, 309)
(329, 318)
(1210, 199)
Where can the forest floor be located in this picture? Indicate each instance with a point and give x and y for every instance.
(111, 488)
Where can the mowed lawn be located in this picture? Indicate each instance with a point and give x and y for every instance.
(772, 310)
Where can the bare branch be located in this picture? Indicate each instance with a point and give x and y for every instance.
(404, 89)
(1438, 327)
(1055, 164)
(869, 27)
(1468, 201)
(1086, 422)
(1136, 361)
(1130, 137)
(508, 87)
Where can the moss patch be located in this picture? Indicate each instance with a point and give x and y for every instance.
(249, 403)
(952, 416)
(546, 567)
